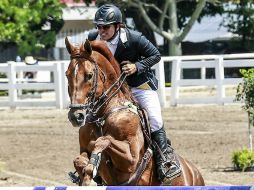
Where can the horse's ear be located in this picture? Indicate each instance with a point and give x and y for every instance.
(68, 45)
(88, 47)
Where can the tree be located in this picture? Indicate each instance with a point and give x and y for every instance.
(239, 19)
(165, 18)
(168, 24)
(31, 25)
(244, 158)
(245, 92)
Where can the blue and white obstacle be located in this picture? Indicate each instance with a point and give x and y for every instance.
(134, 188)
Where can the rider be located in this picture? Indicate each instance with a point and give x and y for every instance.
(136, 56)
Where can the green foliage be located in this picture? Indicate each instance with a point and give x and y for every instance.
(168, 84)
(239, 19)
(3, 93)
(245, 91)
(87, 2)
(3, 75)
(243, 159)
(186, 8)
(21, 23)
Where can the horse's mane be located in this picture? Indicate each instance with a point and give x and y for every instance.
(101, 47)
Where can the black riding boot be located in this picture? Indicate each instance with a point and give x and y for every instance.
(167, 163)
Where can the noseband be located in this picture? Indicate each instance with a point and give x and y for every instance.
(94, 105)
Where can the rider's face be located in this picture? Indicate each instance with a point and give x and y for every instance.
(106, 31)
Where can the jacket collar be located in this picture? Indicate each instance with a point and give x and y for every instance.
(123, 35)
(122, 43)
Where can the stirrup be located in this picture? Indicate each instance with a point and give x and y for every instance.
(173, 171)
(168, 170)
(74, 179)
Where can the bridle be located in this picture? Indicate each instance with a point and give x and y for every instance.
(93, 105)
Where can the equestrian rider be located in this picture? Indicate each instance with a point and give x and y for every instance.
(136, 56)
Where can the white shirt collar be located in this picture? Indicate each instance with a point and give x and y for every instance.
(112, 45)
(114, 41)
(123, 37)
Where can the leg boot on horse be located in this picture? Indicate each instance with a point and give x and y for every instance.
(167, 163)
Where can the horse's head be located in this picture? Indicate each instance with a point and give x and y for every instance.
(84, 83)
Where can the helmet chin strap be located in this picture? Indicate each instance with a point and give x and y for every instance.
(115, 33)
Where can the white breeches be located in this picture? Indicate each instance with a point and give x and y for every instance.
(149, 100)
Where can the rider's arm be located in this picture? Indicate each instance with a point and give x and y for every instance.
(150, 55)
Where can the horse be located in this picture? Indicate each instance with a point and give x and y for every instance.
(111, 137)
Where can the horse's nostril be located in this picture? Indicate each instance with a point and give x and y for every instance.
(80, 117)
(77, 118)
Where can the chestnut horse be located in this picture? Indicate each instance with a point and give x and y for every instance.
(112, 143)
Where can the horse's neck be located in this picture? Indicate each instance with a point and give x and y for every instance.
(101, 48)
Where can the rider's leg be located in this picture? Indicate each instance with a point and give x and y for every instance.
(166, 161)
(167, 164)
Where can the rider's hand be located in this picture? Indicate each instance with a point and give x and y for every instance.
(128, 67)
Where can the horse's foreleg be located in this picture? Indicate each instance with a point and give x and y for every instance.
(91, 169)
(118, 150)
(125, 155)
(80, 162)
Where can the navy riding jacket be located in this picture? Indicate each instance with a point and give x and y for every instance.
(135, 47)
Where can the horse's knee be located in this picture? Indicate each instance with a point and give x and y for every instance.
(132, 164)
(80, 162)
(88, 175)
(88, 170)
(101, 144)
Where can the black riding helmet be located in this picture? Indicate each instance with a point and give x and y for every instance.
(107, 14)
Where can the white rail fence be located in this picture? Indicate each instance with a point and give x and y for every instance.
(44, 80)
(51, 77)
(218, 62)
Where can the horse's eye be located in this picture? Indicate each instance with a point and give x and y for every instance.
(88, 76)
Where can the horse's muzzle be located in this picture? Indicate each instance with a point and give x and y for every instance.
(77, 117)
